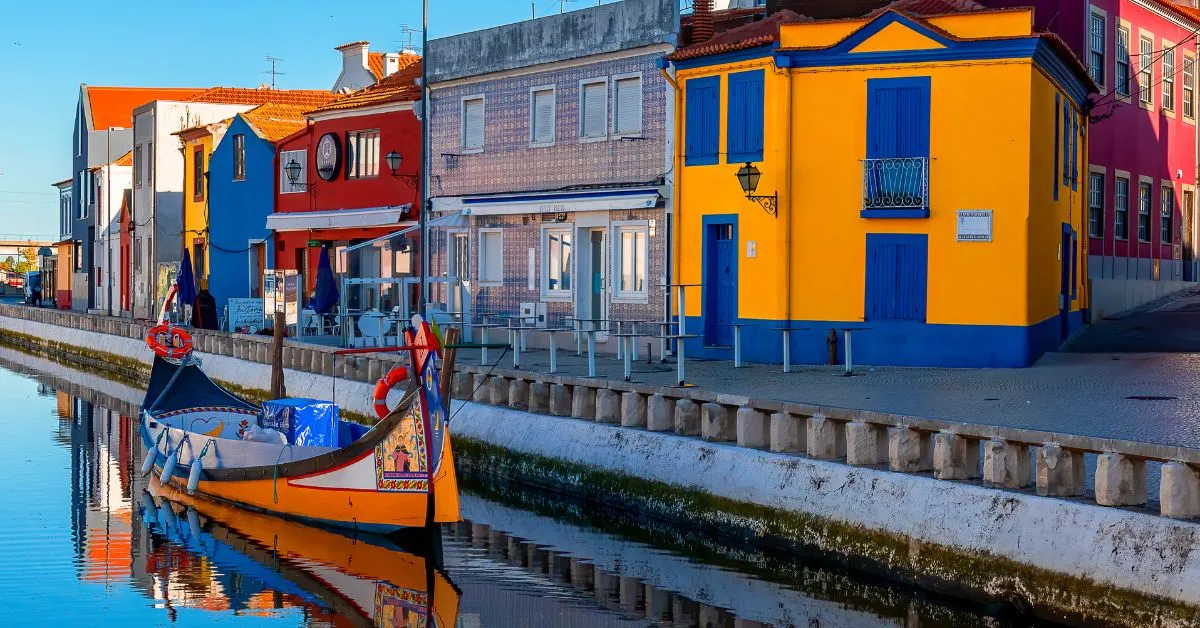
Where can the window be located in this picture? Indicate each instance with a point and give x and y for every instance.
(362, 159)
(1189, 87)
(558, 261)
(702, 121)
(541, 116)
(472, 123)
(627, 105)
(1096, 47)
(1168, 80)
(1059, 149)
(896, 169)
(745, 116)
(137, 253)
(198, 174)
(1122, 61)
(239, 157)
(1145, 72)
(1167, 209)
(629, 259)
(78, 256)
(1144, 211)
(491, 257)
(1121, 207)
(1074, 150)
(593, 109)
(286, 157)
(1096, 205)
(460, 255)
(1066, 139)
(137, 166)
(198, 264)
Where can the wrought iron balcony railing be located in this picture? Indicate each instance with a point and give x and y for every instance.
(896, 183)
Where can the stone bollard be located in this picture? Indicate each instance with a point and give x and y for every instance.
(909, 451)
(498, 390)
(633, 409)
(518, 394)
(1059, 472)
(1120, 480)
(632, 595)
(866, 444)
(660, 413)
(684, 612)
(582, 574)
(1179, 491)
(826, 438)
(539, 397)
(583, 402)
(327, 364)
(753, 428)
(788, 433)
(716, 424)
(375, 370)
(463, 385)
(481, 392)
(954, 457)
(560, 400)
(687, 418)
(1005, 464)
(608, 406)
(658, 603)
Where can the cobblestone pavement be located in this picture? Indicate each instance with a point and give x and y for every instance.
(1170, 324)
(1078, 393)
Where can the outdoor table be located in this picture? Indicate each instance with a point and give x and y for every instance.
(483, 346)
(679, 354)
(591, 331)
(623, 338)
(634, 324)
(553, 346)
(787, 345)
(737, 343)
(516, 338)
(850, 348)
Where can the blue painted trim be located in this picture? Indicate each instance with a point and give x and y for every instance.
(705, 222)
(702, 121)
(745, 114)
(883, 21)
(565, 196)
(895, 213)
(1048, 59)
(759, 52)
(1057, 140)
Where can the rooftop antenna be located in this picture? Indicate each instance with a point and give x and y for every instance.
(273, 71)
(408, 32)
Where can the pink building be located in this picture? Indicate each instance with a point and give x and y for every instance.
(1141, 186)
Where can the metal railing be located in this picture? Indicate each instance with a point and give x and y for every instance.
(896, 183)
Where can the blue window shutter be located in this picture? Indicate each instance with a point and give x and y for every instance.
(898, 117)
(744, 121)
(1074, 150)
(1057, 143)
(702, 120)
(896, 277)
(1066, 139)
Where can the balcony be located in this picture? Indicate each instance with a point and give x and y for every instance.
(896, 188)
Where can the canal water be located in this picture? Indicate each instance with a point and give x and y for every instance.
(86, 540)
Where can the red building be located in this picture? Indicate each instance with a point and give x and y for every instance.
(335, 185)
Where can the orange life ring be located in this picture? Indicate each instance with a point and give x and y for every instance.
(168, 341)
(389, 381)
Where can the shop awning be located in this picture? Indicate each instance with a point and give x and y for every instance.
(551, 202)
(449, 220)
(338, 219)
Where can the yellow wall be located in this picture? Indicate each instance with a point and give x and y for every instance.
(195, 213)
(988, 151)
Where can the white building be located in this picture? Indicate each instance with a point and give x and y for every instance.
(157, 174)
(362, 68)
(111, 181)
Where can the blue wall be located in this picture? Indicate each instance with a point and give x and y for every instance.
(237, 212)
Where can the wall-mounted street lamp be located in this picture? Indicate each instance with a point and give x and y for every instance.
(292, 170)
(748, 176)
(394, 159)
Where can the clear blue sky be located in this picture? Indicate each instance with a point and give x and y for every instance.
(49, 47)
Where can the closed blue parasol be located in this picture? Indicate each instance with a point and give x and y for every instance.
(327, 294)
(186, 280)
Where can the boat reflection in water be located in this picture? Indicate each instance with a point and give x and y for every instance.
(219, 557)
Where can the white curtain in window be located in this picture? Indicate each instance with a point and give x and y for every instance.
(628, 108)
(491, 256)
(473, 123)
(631, 260)
(543, 117)
(595, 110)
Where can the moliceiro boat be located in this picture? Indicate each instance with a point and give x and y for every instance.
(295, 457)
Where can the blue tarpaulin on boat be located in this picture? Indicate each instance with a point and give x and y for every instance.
(307, 422)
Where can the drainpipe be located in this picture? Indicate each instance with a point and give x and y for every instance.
(786, 201)
(672, 225)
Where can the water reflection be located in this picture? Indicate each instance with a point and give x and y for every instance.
(144, 554)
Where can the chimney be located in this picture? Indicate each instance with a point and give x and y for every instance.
(702, 21)
(354, 57)
(391, 63)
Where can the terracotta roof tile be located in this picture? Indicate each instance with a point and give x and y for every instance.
(752, 35)
(264, 95)
(1185, 12)
(930, 7)
(375, 64)
(113, 106)
(399, 87)
(274, 121)
(123, 160)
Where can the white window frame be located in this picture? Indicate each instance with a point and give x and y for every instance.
(1167, 82)
(1188, 87)
(1124, 90)
(1145, 66)
(451, 234)
(544, 263)
(628, 296)
(285, 157)
(365, 163)
(641, 104)
(462, 130)
(138, 165)
(553, 115)
(482, 256)
(603, 80)
(1097, 12)
(1121, 176)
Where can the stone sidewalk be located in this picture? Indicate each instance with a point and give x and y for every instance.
(1149, 397)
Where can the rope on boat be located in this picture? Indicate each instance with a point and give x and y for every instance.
(275, 478)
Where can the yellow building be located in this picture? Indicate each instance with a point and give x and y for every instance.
(197, 145)
(913, 179)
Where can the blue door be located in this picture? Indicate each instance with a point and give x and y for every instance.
(897, 282)
(720, 284)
